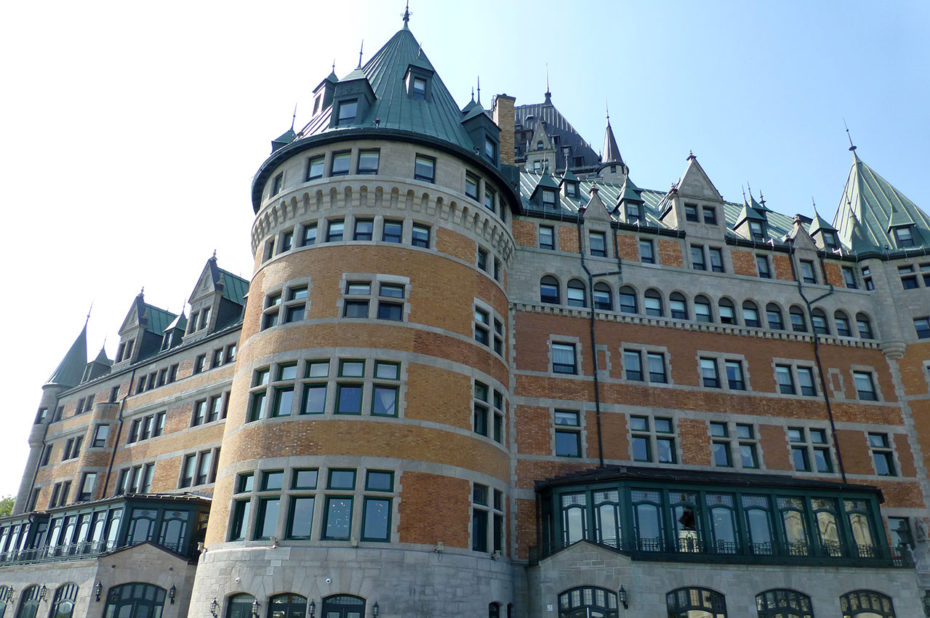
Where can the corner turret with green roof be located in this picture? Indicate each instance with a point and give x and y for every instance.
(69, 371)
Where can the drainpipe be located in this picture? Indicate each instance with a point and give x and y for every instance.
(823, 381)
(119, 430)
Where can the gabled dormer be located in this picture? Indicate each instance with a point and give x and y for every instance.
(323, 93)
(570, 185)
(142, 331)
(807, 266)
(216, 302)
(352, 99)
(418, 80)
(823, 234)
(694, 202)
(752, 222)
(485, 135)
(100, 366)
(902, 229)
(546, 193)
(630, 204)
(174, 332)
(540, 154)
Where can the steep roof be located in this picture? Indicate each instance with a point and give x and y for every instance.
(611, 153)
(870, 207)
(235, 288)
(71, 368)
(437, 115)
(527, 116)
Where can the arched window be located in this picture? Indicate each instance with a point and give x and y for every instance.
(783, 603)
(138, 599)
(588, 602)
(549, 290)
(628, 302)
(696, 603)
(774, 317)
(343, 606)
(575, 294)
(29, 603)
(702, 312)
(141, 526)
(751, 314)
(842, 324)
(603, 299)
(174, 530)
(678, 306)
(494, 610)
(727, 311)
(653, 303)
(63, 602)
(819, 322)
(240, 606)
(864, 324)
(287, 606)
(866, 604)
(798, 323)
(6, 594)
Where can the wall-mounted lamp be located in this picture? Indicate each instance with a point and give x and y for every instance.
(312, 609)
(98, 590)
(171, 592)
(624, 599)
(42, 592)
(213, 607)
(255, 608)
(375, 610)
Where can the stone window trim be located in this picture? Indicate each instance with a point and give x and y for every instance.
(366, 487)
(489, 328)
(547, 238)
(283, 302)
(313, 386)
(741, 441)
(647, 353)
(865, 384)
(145, 427)
(810, 447)
(489, 411)
(795, 370)
(647, 252)
(884, 454)
(374, 297)
(199, 468)
(487, 529)
(577, 349)
(653, 438)
(732, 371)
(568, 432)
(210, 409)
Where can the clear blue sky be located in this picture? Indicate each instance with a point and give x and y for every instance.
(129, 132)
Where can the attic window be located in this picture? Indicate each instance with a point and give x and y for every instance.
(317, 103)
(418, 88)
(571, 189)
(539, 145)
(548, 199)
(757, 230)
(633, 214)
(829, 240)
(347, 112)
(490, 149)
(904, 236)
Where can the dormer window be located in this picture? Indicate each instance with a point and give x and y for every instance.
(490, 149)
(548, 199)
(537, 166)
(904, 236)
(347, 112)
(710, 215)
(571, 189)
(317, 104)
(539, 145)
(418, 88)
(691, 213)
(829, 240)
(633, 213)
(757, 230)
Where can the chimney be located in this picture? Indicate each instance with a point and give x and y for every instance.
(504, 118)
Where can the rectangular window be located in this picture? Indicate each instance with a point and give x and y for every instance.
(482, 259)
(922, 327)
(339, 166)
(807, 272)
(710, 215)
(785, 379)
(548, 199)
(763, 267)
(646, 251)
(392, 231)
(286, 242)
(691, 213)
(309, 235)
(424, 168)
(240, 520)
(364, 228)
(709, 375)
(368, 161)
(715, 255)
(187, 471)
(489, 198)
(735, 379)
(633, 365)
(480, 409)
(653, 439)
(420, 236)
(720, 445)
(865, 386)
(567, 433)
(347, 112)
(598, 244)
(697, 257)
(276, 183)
(882, 454)
(849, 277)
(471, 185)
(315, 167)
(563, 358)
(418, 88)
(335, 230)
(546, 237)
(101, 433)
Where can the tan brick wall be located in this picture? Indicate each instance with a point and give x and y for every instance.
(900, 494)
(526, 528)
(744, 263)
(670, 253)
(694, 442)
(450, 405)
(856, 456)
(450, 243)
(627, 247)
(774, 441)
(434, 508)
(616, 440)
(533, 430)
(568, 238)
(905, 458)
(524, 233)
(782, 267)
(834, 274)
(504, 118)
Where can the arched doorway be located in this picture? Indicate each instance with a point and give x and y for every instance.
(866, 604)
(588, 602)
(63, 603)
(696, 603)
(783, 603)
(343, 606)
(135, 600)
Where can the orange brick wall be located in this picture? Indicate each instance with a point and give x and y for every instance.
(524, 233)
(628, 247)
(670, 253)
(434, 508)
(568, 238)
(782, 267)
(744, 263)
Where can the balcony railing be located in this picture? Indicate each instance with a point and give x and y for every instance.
(75, 551)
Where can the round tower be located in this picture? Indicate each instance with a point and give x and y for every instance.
(368, 427)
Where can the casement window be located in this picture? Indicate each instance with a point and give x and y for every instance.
(364, 229)
(335, 229)
(734, 445)
(315, 167)
(653, 439)
(374, 298)
(849, 277)
(567, 433)
(549, 290)
(424, 168)
(597, 243)
(882, 454)
(691, 213)
(392, 231)
(368, 161)
(807, 271)
(488, 412)
(763, 267)
(646, 251)
(654, 370)
(347, 111)
(308, 235)
(564, 359)
(338, 509)
(420, 235)
(546, 237)
(487, 520)
(471, 185)
(810, 450)
(865, 386)
(200, 363)
(101, 433)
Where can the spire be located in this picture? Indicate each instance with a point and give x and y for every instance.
(852, 147)
(293, 120)
(479, 90)
(548, 94)
(611, 153)
(361, 48)
(71, 368)
(407, 16)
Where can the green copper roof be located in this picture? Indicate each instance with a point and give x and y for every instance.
(71, 368)
(234, 288)
(158, 319)
(436, 116)
(869, 209)
(819, 224)
(629, 192)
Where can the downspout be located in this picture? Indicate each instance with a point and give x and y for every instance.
(823, 381)
(119, 430)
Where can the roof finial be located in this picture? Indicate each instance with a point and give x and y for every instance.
(214, 254)
(548, 94)
(293, 120)
(479, 90)
(334, 65)
(744, 194)
(852, 147)
(691, 155)
(407, 15)
(89, 309)
(761, 199)
(607, 110)
(814, 204)
(749, 188)
(472, 93)
(360, 50)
